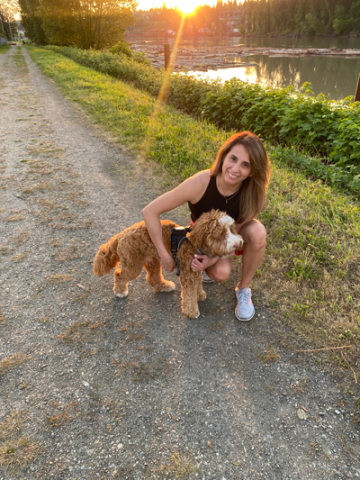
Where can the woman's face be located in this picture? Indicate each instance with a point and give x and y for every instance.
(236, 166)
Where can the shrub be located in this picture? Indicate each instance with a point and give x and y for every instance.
(123, 48)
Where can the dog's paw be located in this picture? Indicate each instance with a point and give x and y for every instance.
(122, 295)
(192, 313)
(202, 296)
(168, 287)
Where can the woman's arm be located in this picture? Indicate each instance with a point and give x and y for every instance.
(189, 191)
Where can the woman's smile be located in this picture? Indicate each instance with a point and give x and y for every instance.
(231, 175)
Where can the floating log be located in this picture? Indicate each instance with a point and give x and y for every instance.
(223, 56)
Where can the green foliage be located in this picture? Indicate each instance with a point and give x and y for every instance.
(8, 26)
(74, 23)
(347, 20)
(32, 22)
(4, 48)
(314, 168)
(140, 57)
(318, 17)
(123, 48)
(321, 128)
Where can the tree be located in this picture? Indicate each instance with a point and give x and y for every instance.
(8, 8)
(32, 22)
(83, 23)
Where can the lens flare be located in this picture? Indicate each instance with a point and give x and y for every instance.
(156, 114)
(187, 7)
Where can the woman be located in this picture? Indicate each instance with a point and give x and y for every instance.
(236, 184)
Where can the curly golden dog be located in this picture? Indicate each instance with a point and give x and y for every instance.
(214, 233)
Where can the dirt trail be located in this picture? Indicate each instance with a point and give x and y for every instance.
(93, 386)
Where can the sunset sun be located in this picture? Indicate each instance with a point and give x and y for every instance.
(186, 6)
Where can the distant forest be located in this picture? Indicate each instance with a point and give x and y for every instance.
(263, 17)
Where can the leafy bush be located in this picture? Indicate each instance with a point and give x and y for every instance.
(123, 48)
(320, 127)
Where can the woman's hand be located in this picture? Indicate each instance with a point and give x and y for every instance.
(168, 263)
(202, 262)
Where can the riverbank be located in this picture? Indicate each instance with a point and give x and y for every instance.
(203, 58)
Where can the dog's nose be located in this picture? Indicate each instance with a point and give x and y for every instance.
(238, 244)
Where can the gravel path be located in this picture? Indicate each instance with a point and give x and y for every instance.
(93, 386)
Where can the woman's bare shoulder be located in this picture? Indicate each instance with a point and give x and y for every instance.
(191, 190)
(198, 184)
(201, 178)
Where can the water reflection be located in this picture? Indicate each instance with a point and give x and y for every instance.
(276, 42)
(335, 77)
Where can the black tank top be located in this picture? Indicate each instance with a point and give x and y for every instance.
(212, 198)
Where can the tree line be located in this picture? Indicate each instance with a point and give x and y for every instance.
(262, 17)
(302, 17)
(81, 23)
(102, 23)
(8, 25)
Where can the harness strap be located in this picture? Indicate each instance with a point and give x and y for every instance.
(178, 235)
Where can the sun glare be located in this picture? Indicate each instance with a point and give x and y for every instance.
(187, 7)
(184, 6)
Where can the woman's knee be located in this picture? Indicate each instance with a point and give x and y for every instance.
(254, 234)
(220, 272)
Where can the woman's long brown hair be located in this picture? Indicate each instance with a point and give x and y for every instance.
(253, 189)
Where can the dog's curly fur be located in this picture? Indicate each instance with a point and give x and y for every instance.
(134, 248)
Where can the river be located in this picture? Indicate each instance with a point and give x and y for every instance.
(335, 77)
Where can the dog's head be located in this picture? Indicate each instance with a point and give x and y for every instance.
(215, 233)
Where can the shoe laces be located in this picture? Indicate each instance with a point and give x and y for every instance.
(245, 296)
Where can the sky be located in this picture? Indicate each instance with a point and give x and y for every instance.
(181, 4)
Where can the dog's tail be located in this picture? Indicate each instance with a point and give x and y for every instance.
(107, 257)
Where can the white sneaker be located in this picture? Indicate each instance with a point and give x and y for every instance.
(245, 309)
(206, 278)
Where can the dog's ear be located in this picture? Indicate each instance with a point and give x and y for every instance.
(198, 231)
(205, 226)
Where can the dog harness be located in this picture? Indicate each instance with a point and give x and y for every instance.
(178, 235)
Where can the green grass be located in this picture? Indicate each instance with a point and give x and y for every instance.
(4, 48)
(310, 275)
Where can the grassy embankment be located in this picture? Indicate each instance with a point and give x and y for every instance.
(315, 126)
(4, 48)
(310, 275)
